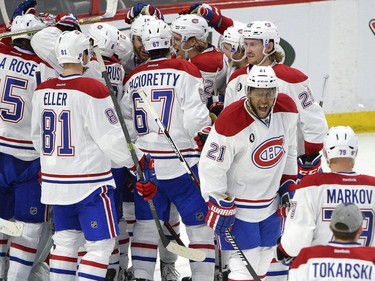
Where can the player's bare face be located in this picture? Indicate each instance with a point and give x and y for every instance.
(176, 44)
(139, 49)
(254, 50)
(261, 101)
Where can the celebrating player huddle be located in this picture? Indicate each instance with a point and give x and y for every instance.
(162, 126)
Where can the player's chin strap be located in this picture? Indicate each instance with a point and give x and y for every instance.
(192, 254)
(193, 177)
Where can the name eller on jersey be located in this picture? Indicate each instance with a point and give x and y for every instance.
(342, 270)
(53, 98)
(154, 79)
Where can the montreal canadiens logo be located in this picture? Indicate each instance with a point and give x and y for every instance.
(269, 153)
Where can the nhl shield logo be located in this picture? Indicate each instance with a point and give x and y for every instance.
(94, 224)
(372, 25)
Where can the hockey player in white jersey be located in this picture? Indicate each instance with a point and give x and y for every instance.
(173, 88)
(344, 258)
(77, 133)
(261, 39)
(190, 41)
(316, 196)
(20, 165)
(246, 165)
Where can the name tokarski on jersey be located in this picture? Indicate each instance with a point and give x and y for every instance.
(333, 269)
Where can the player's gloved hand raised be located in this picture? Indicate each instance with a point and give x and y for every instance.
(210, 13)
(47, 18)
(26, 7)
(285, 195)
(148, 187)
(67, 22)
(308, 165)
(201, 137)
(142, 9)
(221, 212)
(281, 255)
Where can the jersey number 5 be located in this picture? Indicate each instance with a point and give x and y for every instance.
(15, 104)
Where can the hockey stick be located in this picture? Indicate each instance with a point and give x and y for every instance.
(4, 12)
(326, 76)
(109, 13)
(191, 173)
(241, 254)
(11, 228)
(192, 254)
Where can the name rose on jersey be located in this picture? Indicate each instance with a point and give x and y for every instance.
(19, 66)
(154, 79)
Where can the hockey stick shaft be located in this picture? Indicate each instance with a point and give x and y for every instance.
(323, 90)
(251, 270)
(182, 159)
(4, 12)
(109, 13)
(166, 242)
(162, 127)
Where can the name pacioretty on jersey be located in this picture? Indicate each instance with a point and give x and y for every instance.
(154, 79)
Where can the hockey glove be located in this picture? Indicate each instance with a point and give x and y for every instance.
(148, 187)
(221, 212)
(26, 7)
(67, 22)
(47, 18)
(285, 198)
(216, 108)
(142, 9)
(211, 14)
(201, 137)
(308, 165)
(281, 255)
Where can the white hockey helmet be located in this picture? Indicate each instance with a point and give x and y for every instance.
(125, 48)
(261, 77)
(263, 30)
(233, 35)
(341, 142)
(136, 27)
(106, 36)
(28, 21)
(70, 46)
(191, 25)
(156, 35)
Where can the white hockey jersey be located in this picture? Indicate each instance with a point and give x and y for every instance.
(312, 125)
(17, 83)
(247, 159)
(334, 262)
(173, 88)
(213, 68)
(77, 131)
(316, 197)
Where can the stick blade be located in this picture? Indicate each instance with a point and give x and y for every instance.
(188, 253)
(111, 10)
(11, 228)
